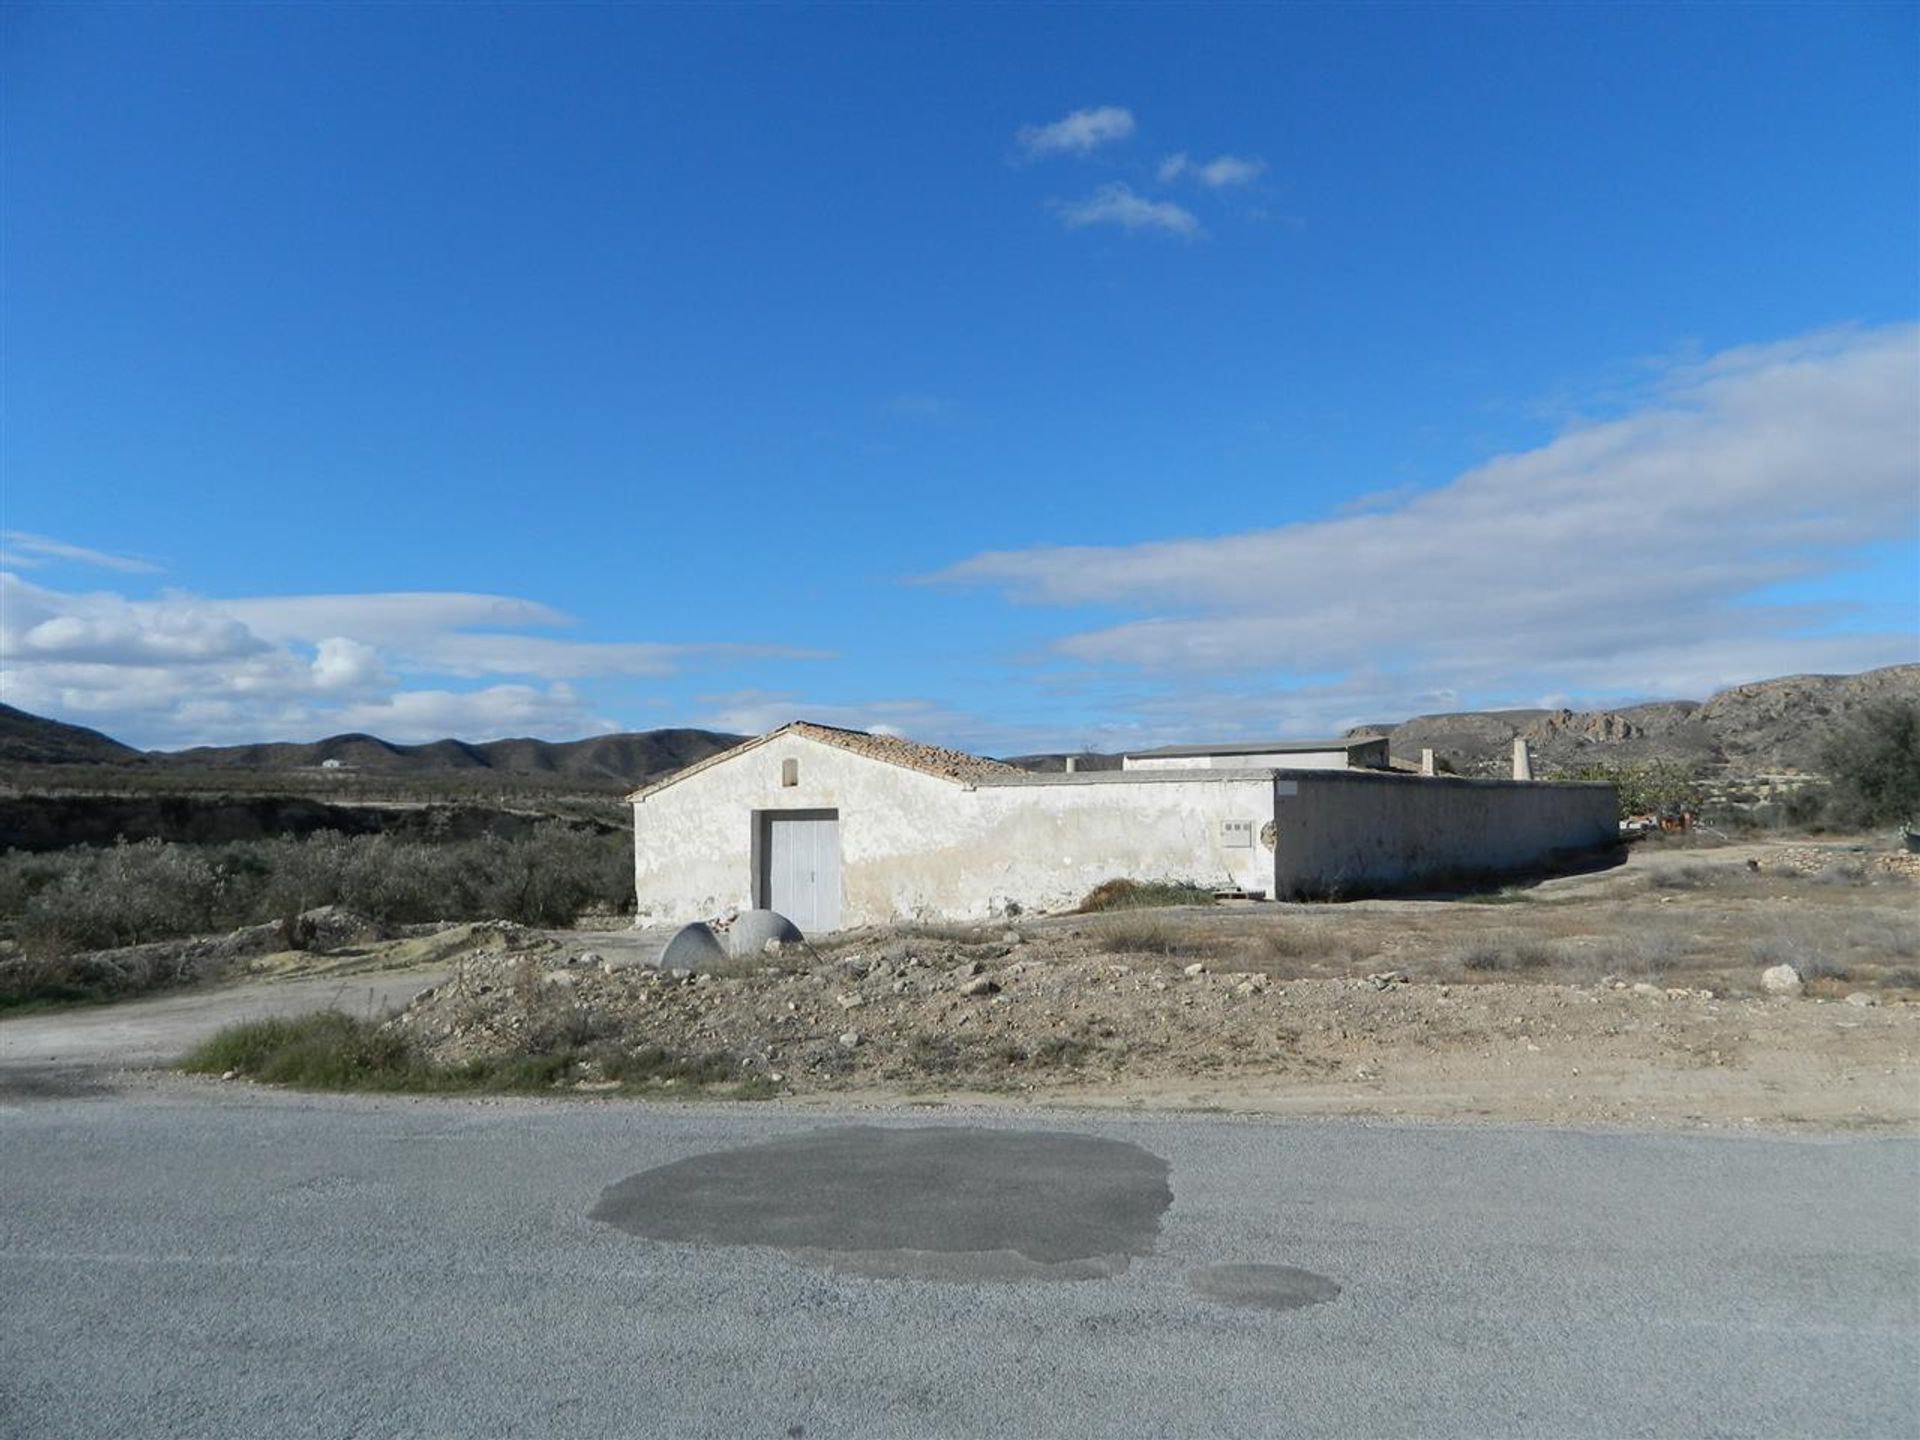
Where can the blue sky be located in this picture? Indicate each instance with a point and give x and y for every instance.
(1008, 377)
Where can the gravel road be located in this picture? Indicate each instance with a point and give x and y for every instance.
(189, 1259)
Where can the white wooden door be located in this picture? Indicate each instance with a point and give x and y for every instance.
(803, 870)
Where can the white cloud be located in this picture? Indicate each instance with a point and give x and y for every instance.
(1215, 174)
(27, 551)
(1628, 556)
(185, 669)
(1078, 133)
(1118, 204)
(1229, 170)
(341, 665)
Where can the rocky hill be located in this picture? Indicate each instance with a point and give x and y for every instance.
(1771, 727)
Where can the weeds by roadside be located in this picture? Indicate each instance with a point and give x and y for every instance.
(331, 1050)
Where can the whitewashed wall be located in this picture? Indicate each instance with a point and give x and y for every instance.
(914, 846)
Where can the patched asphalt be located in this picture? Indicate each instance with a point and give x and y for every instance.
(200, 1260)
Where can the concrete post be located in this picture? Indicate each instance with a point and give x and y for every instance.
(1073, 764)
(1426, 763)
(1522, 759)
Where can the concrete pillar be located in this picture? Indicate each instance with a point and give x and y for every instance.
(1522, 759)
(1426, 763)
(1073, 764)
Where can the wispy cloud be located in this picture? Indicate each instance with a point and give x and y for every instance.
(1633, 555)
(28, 551)
(1215, 174)
(1077, 134)
(1119, 205)
(1229, 170)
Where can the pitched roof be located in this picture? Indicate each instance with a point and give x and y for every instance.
(954, 765)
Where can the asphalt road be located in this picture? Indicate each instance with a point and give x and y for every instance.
(205, 1260)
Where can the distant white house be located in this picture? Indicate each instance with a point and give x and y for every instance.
(1365, 754)
(835, 828)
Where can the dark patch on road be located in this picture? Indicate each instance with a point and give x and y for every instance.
(20, 1083)
(1262, 1287)
(937, 1202)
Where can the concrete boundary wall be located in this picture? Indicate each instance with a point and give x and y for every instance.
(1359, 831)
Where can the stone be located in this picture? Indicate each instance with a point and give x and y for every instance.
(850, 1002)
(972, 967)
(693, 947)
(1195, 970)
(585, 957)
(1013, 937)
(564, 979)
(980, 985)
(849, 1039)
(1782, 980)
(1862, 999)
(753, 929)
(1643, 988)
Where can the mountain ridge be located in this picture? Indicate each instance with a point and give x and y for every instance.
(1764, 726)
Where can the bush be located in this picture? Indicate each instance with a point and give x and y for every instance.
(1659, 787)
(1873, 760)
(1505, 952)
(127, 894)
(1143, 894)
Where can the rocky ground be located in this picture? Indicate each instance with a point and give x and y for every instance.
(1633, 995)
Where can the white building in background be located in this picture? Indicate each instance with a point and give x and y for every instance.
(1369, 753)
(836, 828)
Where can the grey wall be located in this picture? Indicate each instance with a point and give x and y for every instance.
(1354, 830)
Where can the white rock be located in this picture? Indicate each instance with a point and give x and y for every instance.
(1195, 970)
(849, 1038)
(850, 1002)
(1862, 999)
(1781, 980)
(979, 985)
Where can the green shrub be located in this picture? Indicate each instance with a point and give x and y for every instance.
(126, 894)
(1143, 894)
(332, 1050)
(1873, 760)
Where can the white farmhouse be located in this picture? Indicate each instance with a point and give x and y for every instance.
(835, 828)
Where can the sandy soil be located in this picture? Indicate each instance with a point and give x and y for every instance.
(1625, 996)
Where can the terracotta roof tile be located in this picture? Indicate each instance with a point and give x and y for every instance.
(934, 759)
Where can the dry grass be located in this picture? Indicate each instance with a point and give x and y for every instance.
(1157, 935)
(1711, 922)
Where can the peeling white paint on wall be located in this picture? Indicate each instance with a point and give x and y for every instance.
(913, 844)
